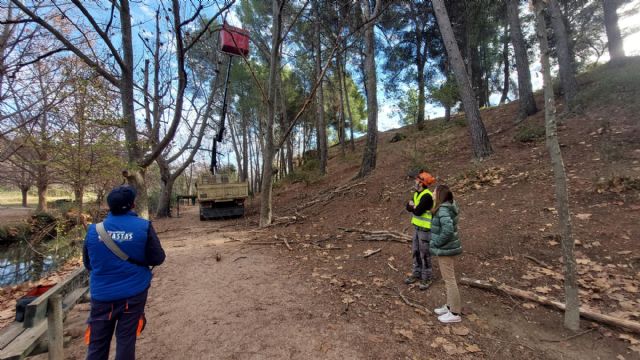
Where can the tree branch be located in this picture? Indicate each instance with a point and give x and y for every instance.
(107, 75)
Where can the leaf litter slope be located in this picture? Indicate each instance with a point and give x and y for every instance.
(508, 226)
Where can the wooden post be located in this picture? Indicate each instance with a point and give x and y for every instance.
(55, 331)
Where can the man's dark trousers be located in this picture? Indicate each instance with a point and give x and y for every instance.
(125, 316)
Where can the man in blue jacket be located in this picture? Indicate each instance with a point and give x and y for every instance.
(119, 287)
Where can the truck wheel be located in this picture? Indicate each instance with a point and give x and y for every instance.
(202, 218)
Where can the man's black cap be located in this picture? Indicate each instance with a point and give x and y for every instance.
(121, 199)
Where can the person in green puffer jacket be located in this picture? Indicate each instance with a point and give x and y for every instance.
(445, 244)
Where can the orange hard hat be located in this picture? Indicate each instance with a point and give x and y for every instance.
(425, 178)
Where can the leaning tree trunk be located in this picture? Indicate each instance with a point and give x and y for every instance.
(268, 148)
(616, 50)
(567, 72)
(369, 156)
(479, 138)
(572, 311)
(527, 105)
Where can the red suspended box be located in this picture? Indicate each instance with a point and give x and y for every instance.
(234, 41)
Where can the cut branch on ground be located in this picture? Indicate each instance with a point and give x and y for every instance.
(632, 326)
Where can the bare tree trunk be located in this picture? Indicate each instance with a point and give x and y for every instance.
(163, 208)
(565, 61)
(268, 152)
(136, 179)
(616, 49)
(371, 147)
(421, 59)
(78, 194)
(235, 144)
(252, 171)
(527, 105)
(320, 121)
(572, 311)
(505, 61)
(245, 152)
(24, 192)
(447, 113)
(346, 97)
(290, 155)
(284, 124)
(479, 138)
(341, 127)
(42, 186)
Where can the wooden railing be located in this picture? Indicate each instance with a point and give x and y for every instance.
(44, 315)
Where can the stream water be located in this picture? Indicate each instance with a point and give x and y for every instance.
(22, 262)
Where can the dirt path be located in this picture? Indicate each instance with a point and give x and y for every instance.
(245, 306)
(265, 302)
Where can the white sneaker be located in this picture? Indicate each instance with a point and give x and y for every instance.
(449, 318)
(441, 310)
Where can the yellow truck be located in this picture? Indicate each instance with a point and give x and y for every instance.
(221, 196)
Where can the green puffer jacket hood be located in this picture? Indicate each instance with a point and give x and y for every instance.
(444, 231)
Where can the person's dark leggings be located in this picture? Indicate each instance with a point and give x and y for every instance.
(125, 316)
(421, 257)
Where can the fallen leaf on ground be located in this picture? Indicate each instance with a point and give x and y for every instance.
(452, 349)
(583, 216)
(348, 300)
(460, 330)
(404, 332)
(542, 289)
(529, 305)
(472, 348)
(631, 289)
(625, 252)
(473, 317)
(438, 341)
(632, 340)
(417, 323)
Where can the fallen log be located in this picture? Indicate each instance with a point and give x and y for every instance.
(379, 235)
(287, 244)
(267, 243)
(327, 196)
(539, 262)
(372, 252)
(629, 325)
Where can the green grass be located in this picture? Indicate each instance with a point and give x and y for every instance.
(528, 132)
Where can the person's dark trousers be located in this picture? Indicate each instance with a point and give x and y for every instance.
(125, 316)
(421, 257)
